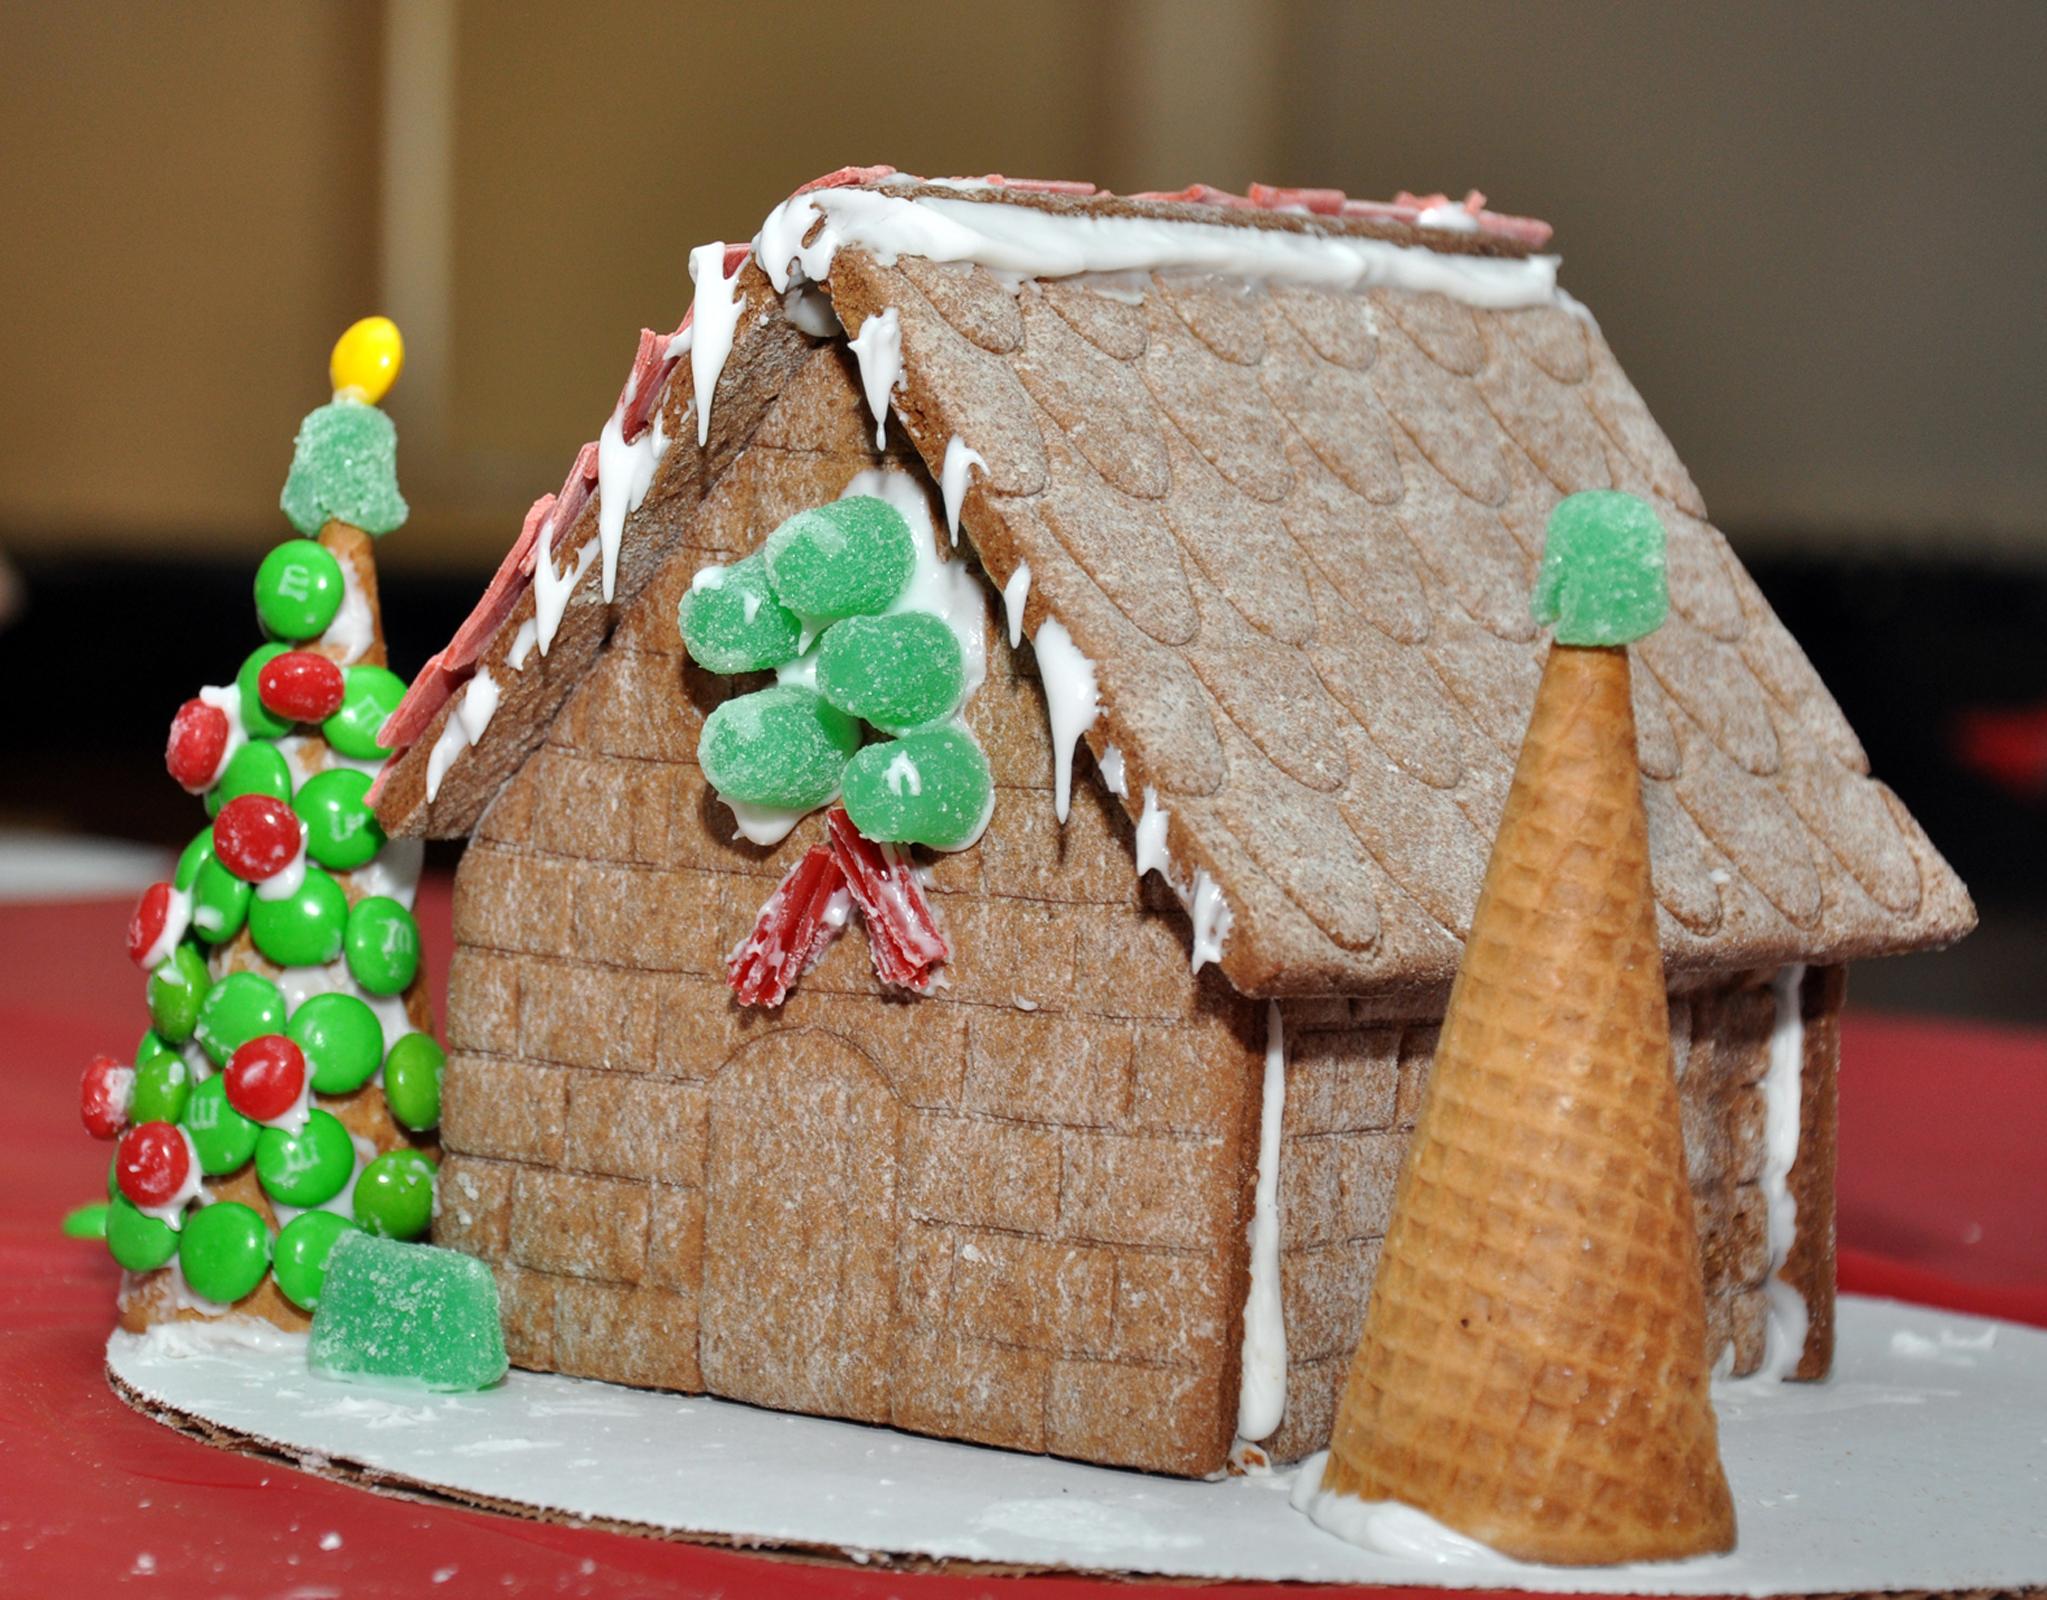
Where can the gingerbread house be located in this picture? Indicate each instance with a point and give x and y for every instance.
(1255, 487)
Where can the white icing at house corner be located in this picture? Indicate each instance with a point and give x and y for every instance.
(1783, 1083)
(878, 347)
(1261, 1393)
(952, 487)
(708, 338)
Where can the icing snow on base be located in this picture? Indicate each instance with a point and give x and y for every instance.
(714, 314)
(952, 482)
(879, 350)
(1261, 1394)
(1783, 1082)
(1385, 1527)
(1071, 700)
(223, 1336)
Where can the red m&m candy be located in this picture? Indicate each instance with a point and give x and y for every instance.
(103, 1094)
(256, 836)
(153, 1163)
(146, 926)
(197, 744)
(265, 1078)
(300, 686)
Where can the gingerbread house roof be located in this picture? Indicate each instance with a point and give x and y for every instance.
(1279, 468)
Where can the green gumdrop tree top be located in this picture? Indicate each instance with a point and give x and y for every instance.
(1602, 579)
(344, 468)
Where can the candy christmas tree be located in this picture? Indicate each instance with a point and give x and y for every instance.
(287, 1087)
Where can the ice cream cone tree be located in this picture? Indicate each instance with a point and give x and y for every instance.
(1532, 1370)
(287, 1086)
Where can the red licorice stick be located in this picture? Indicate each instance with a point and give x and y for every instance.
(902, 933)
(791, 933)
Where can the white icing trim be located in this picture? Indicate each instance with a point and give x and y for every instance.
(227, 700)
(551, 589)
(625, 472)
(1261, 1393)
(1014, 594)
(1152, 855)
(1385, 1527)
(810, 311)
(351, 631)
(1110, 765)
(1202, 897)
(714, 314)
(1071, 701)
(522, 646)
(172, 1211)
(467, 719)
(393, 872)
(879, 350)
(1783, 1083)
(800, 237)
(952, 485)
(762, 825)
(291, 877)
(177, 917)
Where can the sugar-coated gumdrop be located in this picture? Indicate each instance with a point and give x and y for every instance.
(105, 1090)
(197, 743)
(136, 1240)
(394, 1196)
(409, 1311)
(367, 359)
(265, 1078)
(258, 720)
(342, 1039)
(342, 832)
(152, 1163)
(299, 1258)
(303, 928)
(234, 1011)
(382, 944)
(224, 1138)
(298, 589)
(220, 902)
(783, 746)
(850, 558)
(412, 1081)
(175, 991)
(86, 1221)
(1602, 579)
(162, 1086)
(307, 1168)
(897, 672)
(344, 468)
(224, 1250)
(732, 622)
(299, 686)
(256, 836)
(258, 767)
(369, 695)
(929, 788)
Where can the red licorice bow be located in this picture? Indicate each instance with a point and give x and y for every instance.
(791, 933)
(902, 934)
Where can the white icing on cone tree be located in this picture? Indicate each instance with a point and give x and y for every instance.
(1532, 1371)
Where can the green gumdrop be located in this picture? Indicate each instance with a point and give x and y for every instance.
(344, 468)
(896, 672)
(391, 1310)
(162, 1085)
(176, 989)
(298, 589)
(220, 902)
(732, 622)
(258, 767)
(194, 856)
(303, 929)
(847, 559)
(257, 720)
(86, 1221)
(299, 1258)
(1602, 578)
(368, 697)
(412, 1081)
(394, 1196)
(782, 746)
(929, 788)
(342, 1039)
(307, 1168)
(235, 1010)
(140, 1243)
(224, 1250)
(382, 944)
(224, 1138)
(342, 832)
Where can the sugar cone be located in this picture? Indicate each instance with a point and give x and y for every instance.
(1532, 1371)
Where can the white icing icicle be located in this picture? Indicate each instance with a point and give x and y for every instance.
(1111, 768)
(1783, 1083)
(467, 720)
(879, 350)
(952, 485)
(1071, 701)
(522, 646)
(552, 588)
(1151, 838)
(1203, 898)
(625, 472)
(1261, 1394)
(709, 335)
(1014, 594)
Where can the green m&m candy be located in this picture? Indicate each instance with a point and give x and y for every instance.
(382, 944)
(732, 622)
(151, 1047)
(394, 1196)
(257, 719)
(342, 832)
(162, 1084)
(192, 858)
(896, 672)
(783, 746)
(220, 902)
(342, 1040)
(176, 988)
(258, 767)
(224, 1250)
(368, 697)
(412, 1081)
(86, 1222)
(931, 788)
(298, 590)
(235, 1010)
(307, 1168)
(300, 1256)
(224, 1138)
(140, 1243)
(303, 928)
(847, 559)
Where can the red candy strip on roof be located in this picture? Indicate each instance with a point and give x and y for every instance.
(1320, 202)
(902, 933)
(790, 936)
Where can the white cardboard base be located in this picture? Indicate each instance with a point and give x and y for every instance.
(1921, 1465)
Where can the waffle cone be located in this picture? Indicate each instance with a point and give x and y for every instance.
(1532, 1371)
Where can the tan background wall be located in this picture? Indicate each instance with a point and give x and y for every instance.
(1811, 231)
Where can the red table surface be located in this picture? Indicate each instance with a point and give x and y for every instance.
(1943, 1199)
